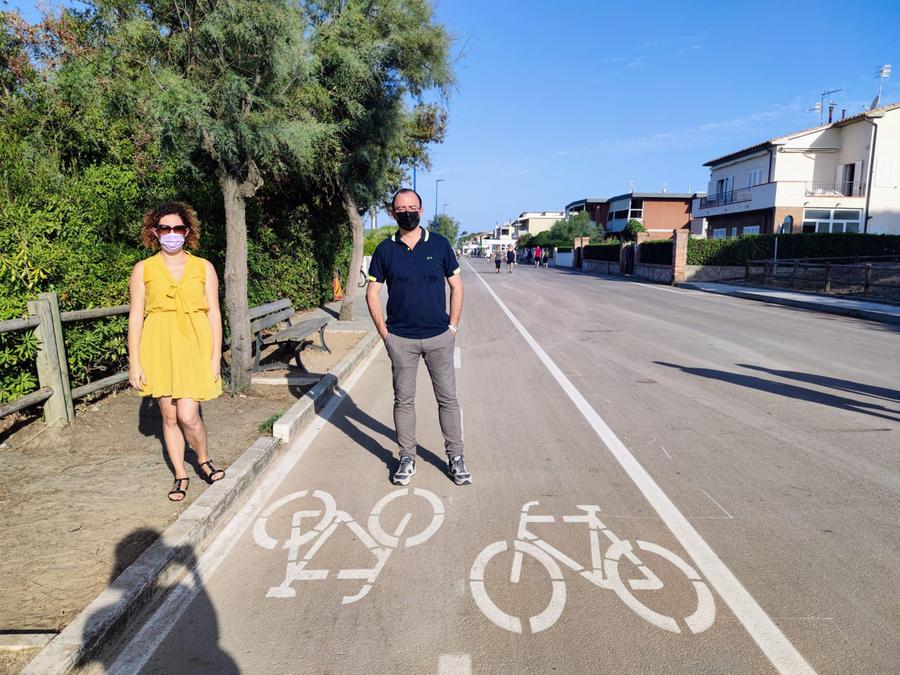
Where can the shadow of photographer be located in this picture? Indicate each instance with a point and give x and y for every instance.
(202, 652)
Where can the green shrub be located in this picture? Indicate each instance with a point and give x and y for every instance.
(656, 252)
(375, 237)
(606, 252)
(736, 251)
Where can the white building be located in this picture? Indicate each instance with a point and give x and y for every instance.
(839, 177)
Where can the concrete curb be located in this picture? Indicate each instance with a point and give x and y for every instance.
(811, 304)
(162, 564)
(304, 410)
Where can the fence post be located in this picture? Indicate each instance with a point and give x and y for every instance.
(747, 271)
(794, 275)
(868, 279)
(765, 278)
(828, 277)
(51, 360)
(680, 240)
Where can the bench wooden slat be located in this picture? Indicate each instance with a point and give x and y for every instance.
(271, 319)
(298, 331)
(269, 308)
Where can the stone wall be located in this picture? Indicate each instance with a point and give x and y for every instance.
(600, 267)
(713, 272)
(661, 274)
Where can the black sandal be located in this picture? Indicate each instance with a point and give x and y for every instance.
(176, 489)
(213, 471)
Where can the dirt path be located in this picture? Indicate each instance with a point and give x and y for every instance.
(79, 503)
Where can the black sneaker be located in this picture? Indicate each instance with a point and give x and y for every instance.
(405, 471)
(456, 467)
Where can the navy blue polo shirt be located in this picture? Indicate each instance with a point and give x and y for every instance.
(416, 280)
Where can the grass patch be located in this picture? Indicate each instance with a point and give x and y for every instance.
(266, 427)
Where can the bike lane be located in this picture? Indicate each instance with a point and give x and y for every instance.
(340, 571)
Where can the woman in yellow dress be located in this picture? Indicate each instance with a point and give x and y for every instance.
(175, 334)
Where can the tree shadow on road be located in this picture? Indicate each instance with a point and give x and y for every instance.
(349, 412)
(832, 382)
(791, 391)
(202, 652)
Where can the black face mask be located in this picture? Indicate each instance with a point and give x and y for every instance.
(407, 220)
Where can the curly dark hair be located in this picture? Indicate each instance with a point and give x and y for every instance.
(184, 211)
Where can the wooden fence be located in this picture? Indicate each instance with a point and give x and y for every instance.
(55, 392)
(873, 276)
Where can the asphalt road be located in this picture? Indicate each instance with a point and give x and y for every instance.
(664, 481)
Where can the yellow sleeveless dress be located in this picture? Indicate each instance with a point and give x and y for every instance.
(176, 340)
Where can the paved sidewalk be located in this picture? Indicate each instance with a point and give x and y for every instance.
(873, 311)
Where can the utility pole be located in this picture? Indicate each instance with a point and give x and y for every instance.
(436, 187)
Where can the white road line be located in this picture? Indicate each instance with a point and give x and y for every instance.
(666, 451)
(455, 664)
(143, 645)
(715, 502)
(457, 358)
(773, 643)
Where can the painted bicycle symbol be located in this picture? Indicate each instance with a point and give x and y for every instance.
(380, 543)
(604, 573)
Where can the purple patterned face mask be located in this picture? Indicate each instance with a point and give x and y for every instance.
(171, 242)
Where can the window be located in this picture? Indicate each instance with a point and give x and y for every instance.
(754, 229)
(832, 220)
(637, 209)
(733, 231)
(719, 233)
(754, 177)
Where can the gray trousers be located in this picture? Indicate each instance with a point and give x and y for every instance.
(438, 355)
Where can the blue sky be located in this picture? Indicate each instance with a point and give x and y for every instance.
(556, 101)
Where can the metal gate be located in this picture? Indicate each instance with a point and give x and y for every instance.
(628, 259)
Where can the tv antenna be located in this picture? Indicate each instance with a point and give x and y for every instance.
(820, 106)
(882, 74)
(631, 185)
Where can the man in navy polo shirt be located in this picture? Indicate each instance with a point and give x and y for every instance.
(415, 263)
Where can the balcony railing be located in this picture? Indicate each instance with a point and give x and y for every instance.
(723, 198)
(836, 189)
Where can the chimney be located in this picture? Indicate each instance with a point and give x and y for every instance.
(843, 113)
(830, 112)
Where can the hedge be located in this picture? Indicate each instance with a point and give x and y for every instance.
(605, 252)
(736, 251)
(656, 252)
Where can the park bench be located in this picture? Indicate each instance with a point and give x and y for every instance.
(291, 340)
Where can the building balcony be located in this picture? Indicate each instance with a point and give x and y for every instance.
(734, 201)
(723, 198)
(836, 189)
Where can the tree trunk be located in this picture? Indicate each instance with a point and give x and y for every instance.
(356, 228)
(236, 280)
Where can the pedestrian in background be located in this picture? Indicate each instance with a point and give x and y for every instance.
(510, 259)
(417, 265)
(175, 335)
(545, 258)
(498, 259)
(537, 256)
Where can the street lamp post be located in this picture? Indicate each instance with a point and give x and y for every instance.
(436, 187)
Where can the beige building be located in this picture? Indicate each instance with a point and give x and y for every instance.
(839, 177)
(533, 222)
